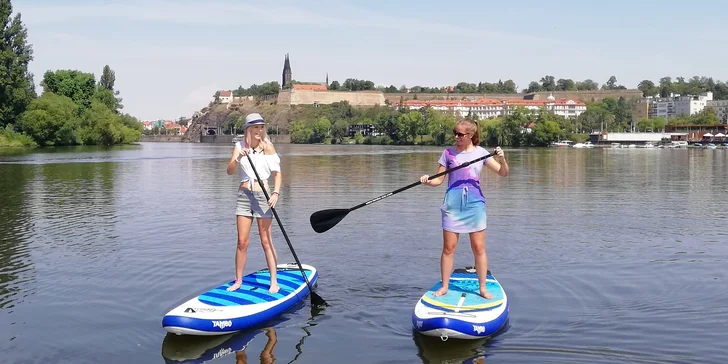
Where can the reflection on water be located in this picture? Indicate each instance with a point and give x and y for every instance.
(202, 349)
(433, 350)
(16, 267)
(189, 349)
(606, 254)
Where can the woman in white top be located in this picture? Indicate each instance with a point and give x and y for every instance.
(251, 201)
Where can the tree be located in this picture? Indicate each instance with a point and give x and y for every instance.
(17, 89)
(108, 77)
(78, 86)
(51, 120)
(106, 93)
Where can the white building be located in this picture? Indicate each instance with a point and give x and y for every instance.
(675, 105)
(721, 108)
(226, 97)
(490, 108)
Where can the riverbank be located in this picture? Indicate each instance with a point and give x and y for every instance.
(12, 139)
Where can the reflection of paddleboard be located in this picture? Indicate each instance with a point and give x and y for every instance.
(462, 313)
(219, 312)
(187, 349)
(434, 350)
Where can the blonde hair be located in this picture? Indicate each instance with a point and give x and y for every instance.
(248, 137)
(472, 127)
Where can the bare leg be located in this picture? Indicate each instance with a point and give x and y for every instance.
(270, 255)
(241, 252)
(270, 238)
(449, 243)
(477, 243)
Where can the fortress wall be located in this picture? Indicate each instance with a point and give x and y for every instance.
(308, 97)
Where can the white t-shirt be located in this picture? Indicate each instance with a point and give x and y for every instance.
(264, 164)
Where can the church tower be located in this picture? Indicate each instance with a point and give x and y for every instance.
(287, 77)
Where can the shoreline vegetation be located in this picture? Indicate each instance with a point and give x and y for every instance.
(521, 127)
(73, 109)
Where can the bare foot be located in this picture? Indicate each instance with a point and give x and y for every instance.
(485, 294)
(440, 292)
(273, 288)
(234, 287)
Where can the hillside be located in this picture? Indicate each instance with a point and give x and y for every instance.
(278, 117)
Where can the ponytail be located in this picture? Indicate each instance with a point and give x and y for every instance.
(476, 134)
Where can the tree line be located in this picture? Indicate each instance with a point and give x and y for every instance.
(73, 108)
(520, 127)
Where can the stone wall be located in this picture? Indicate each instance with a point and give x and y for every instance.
(161, 138)
(308, 97)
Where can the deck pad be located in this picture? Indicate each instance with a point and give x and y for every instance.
(465, 282)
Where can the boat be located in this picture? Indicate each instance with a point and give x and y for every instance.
(218, 311)
(462, 313)
(561, 144)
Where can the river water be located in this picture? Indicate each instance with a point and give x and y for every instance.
(607, 255)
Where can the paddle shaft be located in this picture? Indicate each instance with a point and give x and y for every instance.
(419, 182)
(267, 198)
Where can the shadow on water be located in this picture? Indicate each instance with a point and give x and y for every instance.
(190, 349)
(434, 350)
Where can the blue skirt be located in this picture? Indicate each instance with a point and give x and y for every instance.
(463, 210)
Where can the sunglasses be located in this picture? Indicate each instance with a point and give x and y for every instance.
(460, 135)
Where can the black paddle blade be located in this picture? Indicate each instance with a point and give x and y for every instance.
(317, 301)
(326, 219)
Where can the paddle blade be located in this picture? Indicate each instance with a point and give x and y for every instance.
(326, 219)
(317, 301)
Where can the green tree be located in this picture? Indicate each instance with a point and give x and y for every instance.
(106, 93)
(17, 89)
(51, 120)
(108, 78)
(77, 85)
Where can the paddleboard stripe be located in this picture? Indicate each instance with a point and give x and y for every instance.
(296, 275)
(291, 277)
(244, 294)
(249, 285)
(214, 301)
(231, 298)
(281, 281)
(445, 307)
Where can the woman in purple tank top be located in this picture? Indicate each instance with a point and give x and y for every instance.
(463, 207)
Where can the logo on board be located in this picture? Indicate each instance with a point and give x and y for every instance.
(222, 324)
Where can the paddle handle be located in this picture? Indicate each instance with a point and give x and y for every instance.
(288, 241)
(413, 184)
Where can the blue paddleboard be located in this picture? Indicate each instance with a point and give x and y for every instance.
(462, 312)
(219, 312)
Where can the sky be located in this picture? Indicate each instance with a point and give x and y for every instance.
(171, 56)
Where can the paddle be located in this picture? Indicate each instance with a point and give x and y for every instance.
(316, 300)
(324, 220)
